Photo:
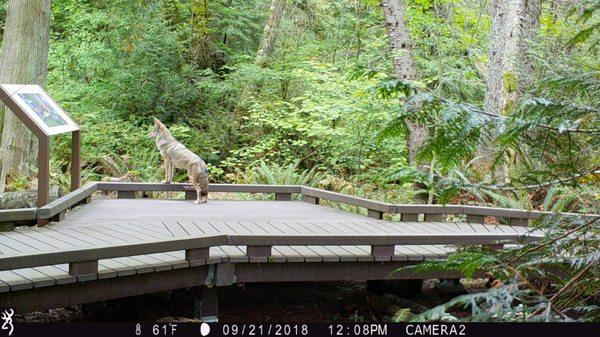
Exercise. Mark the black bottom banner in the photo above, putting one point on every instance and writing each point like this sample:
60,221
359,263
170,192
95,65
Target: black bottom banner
299,329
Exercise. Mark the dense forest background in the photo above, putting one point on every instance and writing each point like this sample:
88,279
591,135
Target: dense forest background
313,92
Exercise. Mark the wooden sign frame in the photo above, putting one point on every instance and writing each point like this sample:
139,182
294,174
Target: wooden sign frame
38,111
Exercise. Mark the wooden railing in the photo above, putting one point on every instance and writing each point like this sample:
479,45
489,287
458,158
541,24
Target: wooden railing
84,261
55,210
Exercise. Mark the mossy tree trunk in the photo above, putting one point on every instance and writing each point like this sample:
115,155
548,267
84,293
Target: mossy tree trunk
24,60
404,64
265,49
502,83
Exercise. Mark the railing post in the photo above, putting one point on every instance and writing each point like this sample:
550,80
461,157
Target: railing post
197,257
472,218
83,268
190,195
87,200
371,213
125,194
7,226
283,196
519,222
75,159
258,253
382,253
433,217
311,200
409,217
58,217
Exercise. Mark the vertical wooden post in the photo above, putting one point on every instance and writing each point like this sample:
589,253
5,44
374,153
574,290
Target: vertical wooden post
472,218
433,217
197,256
206,304
371,213
43,175
43,171
126,195
283,196
519,222
409,217
258,253
311,200
383,253
83,268
75,160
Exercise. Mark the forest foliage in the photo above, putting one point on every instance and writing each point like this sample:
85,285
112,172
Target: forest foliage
327,110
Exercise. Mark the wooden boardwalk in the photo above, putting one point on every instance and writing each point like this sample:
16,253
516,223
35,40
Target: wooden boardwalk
112,248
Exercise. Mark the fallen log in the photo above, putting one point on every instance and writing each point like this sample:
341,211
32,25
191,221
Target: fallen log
24,199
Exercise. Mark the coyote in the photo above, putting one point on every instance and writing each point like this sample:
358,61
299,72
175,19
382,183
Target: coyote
177,155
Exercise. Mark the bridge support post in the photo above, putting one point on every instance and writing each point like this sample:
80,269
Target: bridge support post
371,213
206,304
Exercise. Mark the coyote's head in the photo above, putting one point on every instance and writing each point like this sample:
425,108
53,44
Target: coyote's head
158,127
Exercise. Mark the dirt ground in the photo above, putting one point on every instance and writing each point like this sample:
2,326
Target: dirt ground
276,302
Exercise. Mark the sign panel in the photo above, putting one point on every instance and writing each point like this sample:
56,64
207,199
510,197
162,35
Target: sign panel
40,108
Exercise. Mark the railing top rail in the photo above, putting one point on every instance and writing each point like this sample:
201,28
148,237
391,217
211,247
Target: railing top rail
28,260
74,197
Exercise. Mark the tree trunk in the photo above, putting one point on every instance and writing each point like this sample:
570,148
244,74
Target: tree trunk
24,199
203,51
531,26
265,49
502,85
267,43
24,60
404,64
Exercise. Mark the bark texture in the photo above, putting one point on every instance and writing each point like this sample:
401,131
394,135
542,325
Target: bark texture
531,26
402,48
502,84
265,49
24,60
267,43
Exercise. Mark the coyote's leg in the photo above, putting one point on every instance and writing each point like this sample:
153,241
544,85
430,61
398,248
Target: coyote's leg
168,171
193,175
198,193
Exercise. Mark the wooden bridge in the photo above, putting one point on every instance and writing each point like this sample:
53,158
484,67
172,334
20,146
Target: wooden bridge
111,248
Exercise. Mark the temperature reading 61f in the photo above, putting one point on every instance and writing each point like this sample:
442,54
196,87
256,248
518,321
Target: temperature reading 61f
164,329
158,329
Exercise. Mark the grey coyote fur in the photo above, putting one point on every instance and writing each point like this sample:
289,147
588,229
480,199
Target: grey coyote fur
177,155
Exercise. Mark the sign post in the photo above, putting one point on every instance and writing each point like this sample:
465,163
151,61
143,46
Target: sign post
32,105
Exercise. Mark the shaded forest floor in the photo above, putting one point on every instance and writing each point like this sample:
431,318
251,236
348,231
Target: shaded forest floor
277,302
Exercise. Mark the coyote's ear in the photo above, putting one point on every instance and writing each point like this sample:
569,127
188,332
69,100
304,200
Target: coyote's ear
158,123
